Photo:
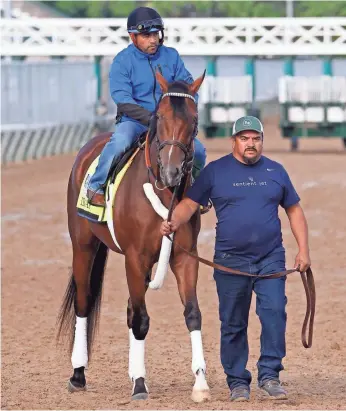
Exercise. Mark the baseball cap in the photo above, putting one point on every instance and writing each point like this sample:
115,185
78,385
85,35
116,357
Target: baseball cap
247,123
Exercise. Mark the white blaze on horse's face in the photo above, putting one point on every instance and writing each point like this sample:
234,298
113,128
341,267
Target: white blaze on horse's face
177,133
171,149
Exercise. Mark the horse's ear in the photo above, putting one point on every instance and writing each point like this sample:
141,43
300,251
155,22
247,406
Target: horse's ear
194,87
162,81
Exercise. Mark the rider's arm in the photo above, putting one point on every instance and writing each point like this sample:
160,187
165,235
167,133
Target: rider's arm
121,92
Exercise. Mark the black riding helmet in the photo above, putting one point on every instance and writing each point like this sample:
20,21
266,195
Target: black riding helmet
145,20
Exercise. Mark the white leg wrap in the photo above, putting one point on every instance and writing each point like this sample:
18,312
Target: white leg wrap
162,266
197,352
200,391
201,383
79,356
136,357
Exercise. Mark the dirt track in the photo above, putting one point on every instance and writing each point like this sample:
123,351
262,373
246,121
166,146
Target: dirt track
36,256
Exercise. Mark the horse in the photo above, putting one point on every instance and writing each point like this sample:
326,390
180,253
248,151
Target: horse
169,151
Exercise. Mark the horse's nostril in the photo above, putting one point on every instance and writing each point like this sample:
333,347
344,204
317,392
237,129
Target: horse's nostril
173,171
172,175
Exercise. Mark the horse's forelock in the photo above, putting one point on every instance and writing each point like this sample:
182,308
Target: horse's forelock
178,103
178,87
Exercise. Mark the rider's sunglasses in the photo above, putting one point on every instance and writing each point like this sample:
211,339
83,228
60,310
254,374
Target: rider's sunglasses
145,26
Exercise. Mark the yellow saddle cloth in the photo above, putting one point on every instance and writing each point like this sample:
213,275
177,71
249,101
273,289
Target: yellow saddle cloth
98,213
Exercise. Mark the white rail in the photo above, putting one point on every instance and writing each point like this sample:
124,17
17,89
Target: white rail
199,36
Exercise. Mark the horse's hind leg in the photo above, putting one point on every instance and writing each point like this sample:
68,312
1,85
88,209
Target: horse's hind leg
138,278
84,294
82,262
185,270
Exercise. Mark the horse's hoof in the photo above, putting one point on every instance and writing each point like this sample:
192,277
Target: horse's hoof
140,396
75,388
140,390
77,382
200,396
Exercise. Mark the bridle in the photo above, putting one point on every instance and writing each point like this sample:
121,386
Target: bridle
187,149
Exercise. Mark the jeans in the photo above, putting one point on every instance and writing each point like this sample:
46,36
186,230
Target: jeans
235,294
125,134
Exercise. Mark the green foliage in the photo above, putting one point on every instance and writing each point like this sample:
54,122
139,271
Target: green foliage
250,9
202,8
320,9
121,8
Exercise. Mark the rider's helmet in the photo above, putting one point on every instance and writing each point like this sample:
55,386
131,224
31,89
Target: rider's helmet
145,20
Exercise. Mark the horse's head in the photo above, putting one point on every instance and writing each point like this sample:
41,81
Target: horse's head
176,126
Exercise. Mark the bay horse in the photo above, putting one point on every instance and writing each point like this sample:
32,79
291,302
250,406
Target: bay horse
170,149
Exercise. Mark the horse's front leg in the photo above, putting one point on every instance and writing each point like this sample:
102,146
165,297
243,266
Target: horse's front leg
138,278
185,270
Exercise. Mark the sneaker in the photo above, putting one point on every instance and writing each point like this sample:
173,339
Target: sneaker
274,389
97,199
240,393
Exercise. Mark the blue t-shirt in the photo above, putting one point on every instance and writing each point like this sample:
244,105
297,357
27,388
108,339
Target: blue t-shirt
246,200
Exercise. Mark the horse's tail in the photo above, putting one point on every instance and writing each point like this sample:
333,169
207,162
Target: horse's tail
67,318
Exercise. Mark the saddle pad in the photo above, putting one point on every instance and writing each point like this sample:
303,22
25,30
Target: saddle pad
93,213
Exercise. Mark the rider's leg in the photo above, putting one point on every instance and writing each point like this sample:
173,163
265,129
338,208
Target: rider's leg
125,134
200,158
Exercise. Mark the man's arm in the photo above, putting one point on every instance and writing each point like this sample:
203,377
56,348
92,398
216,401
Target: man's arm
121,92
299,227
181,215
198,194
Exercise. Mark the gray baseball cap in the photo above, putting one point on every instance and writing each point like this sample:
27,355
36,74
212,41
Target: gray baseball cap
247,123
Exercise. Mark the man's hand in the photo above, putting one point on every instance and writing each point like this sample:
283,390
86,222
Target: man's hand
303,261
168,227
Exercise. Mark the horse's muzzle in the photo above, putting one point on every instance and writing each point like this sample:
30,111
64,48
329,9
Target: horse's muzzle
171,175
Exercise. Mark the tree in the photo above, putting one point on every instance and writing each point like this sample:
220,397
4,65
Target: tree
320,9
202,8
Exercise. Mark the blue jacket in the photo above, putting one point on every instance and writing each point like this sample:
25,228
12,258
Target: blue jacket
132,77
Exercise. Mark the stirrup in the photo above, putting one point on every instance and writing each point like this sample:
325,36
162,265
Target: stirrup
95,198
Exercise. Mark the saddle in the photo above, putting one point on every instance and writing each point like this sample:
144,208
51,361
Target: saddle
116,173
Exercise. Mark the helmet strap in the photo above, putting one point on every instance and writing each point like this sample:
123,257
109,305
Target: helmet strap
161,36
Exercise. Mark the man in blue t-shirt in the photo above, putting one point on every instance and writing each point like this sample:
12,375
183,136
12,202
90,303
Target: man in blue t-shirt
246,189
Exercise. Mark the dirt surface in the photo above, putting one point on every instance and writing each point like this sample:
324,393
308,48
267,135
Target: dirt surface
36,256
